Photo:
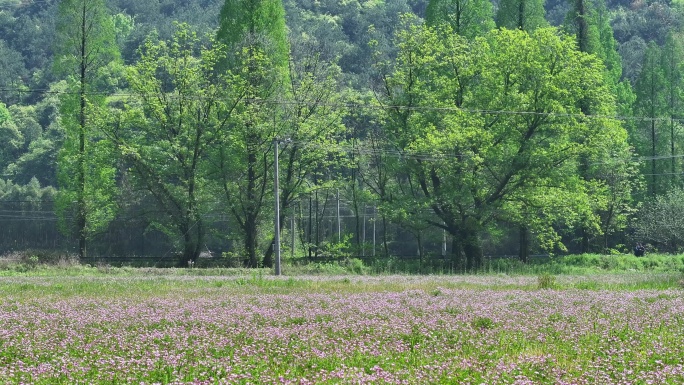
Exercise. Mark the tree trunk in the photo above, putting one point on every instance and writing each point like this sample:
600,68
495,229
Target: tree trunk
193,235
456,251
318,232
310,235
268,256
385,241
189,248
581,18
471,244
654,189
673,180
357,219
251,229
585,241
267,261
419,239
473,252
251,241
524,251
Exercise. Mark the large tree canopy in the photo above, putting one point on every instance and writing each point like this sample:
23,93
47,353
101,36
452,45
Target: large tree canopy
179,111
476,133
502,110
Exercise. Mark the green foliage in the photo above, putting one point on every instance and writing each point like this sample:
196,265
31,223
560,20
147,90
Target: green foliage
651,104
499,165
243,156
483,323
85,38
338,249
526,15
254,25
351,266
96,198
661,221
646,22
254,38
623,262
23,207
85,45
546,281
299,96
468,18
12,72
673,76
10,136
180,110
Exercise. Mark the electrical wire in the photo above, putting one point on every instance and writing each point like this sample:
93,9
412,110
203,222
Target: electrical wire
280,102
424,156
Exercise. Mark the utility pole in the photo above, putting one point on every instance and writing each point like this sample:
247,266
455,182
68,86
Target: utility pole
339,222
276,191
374,220
363,235
292,230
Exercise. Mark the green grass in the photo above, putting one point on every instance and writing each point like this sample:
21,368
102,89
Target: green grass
169,282
45,263
446,328
584,272
488,328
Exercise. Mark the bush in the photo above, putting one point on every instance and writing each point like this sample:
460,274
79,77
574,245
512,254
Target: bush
661,220
546,281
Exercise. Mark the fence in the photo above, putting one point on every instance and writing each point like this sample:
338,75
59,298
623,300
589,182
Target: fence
322,226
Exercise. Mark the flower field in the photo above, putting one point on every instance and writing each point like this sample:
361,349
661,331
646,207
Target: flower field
359,331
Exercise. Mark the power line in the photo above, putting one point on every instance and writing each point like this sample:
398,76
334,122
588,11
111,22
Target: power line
362,150
665,173
425,156
365,106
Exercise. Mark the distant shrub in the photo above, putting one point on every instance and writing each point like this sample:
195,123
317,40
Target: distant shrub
546,281
661,220
354,265
483,323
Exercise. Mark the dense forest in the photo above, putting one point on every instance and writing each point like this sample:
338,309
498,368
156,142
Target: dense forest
448,130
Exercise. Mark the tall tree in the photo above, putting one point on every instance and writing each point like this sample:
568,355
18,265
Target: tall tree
85,45
313,126
673,76
254,34
651,105
587,41
489,166
526,15
468,18
254,25
578,24
178,113
12,73
10,136
589,22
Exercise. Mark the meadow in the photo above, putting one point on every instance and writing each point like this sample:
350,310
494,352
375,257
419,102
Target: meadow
181,326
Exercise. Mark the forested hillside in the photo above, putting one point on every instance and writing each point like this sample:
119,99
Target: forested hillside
449,130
